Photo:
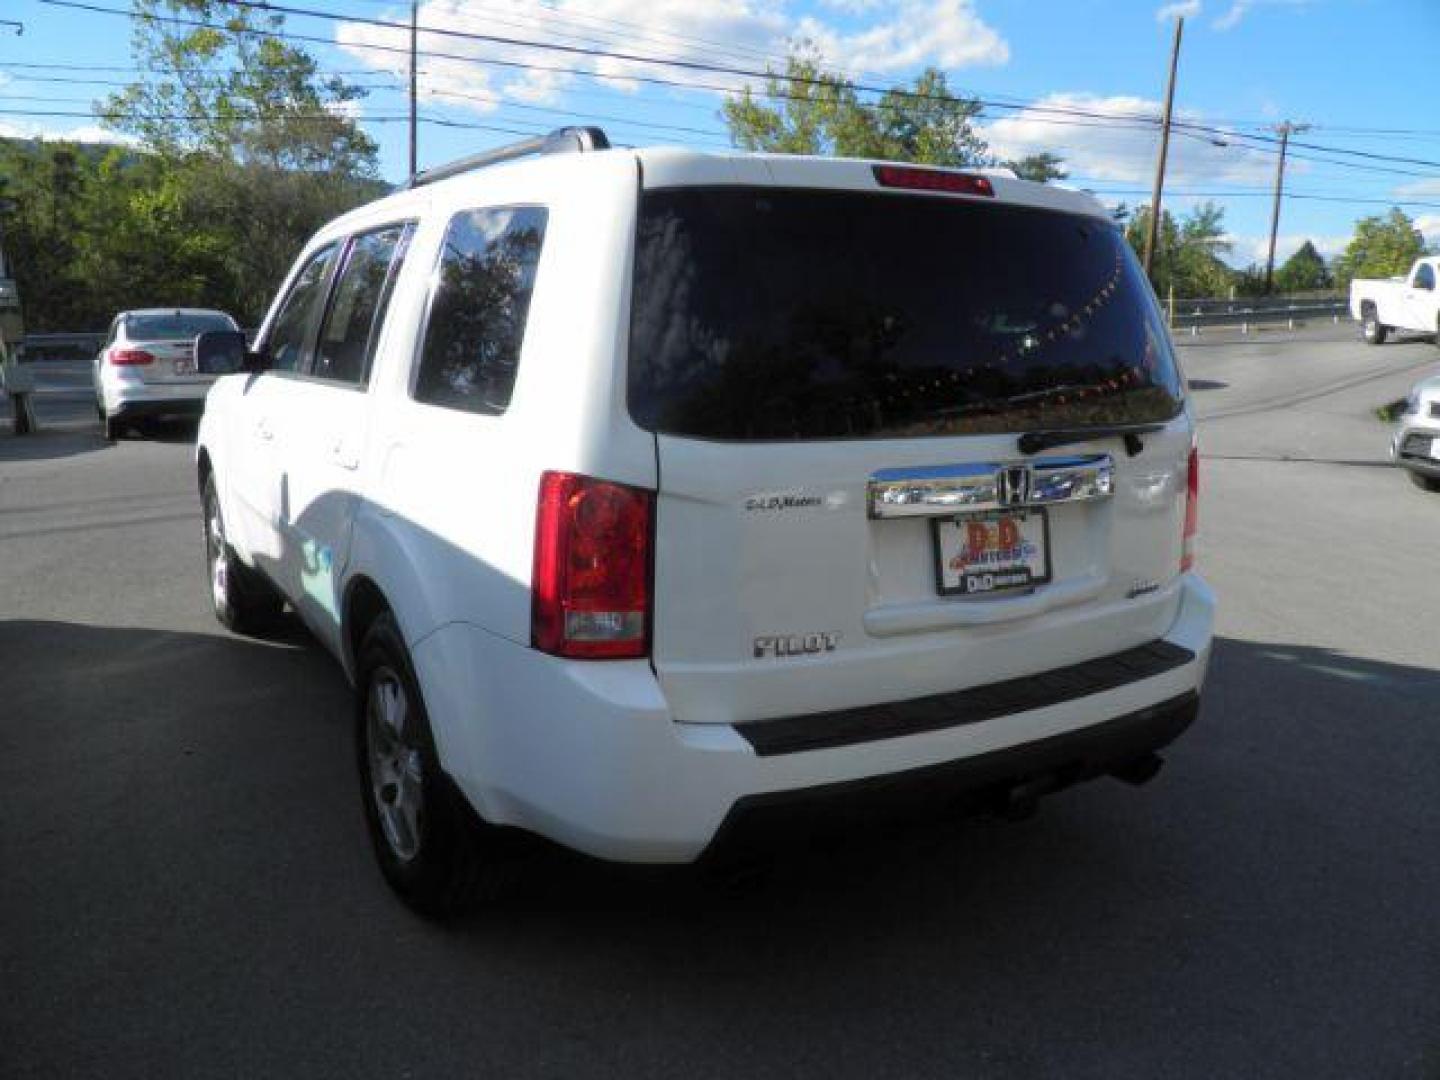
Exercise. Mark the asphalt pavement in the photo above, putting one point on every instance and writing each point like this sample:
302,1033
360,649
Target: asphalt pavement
187,889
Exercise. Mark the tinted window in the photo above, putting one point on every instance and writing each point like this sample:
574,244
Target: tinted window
1425,277
357,308
290,334
479,307
177,325
781,314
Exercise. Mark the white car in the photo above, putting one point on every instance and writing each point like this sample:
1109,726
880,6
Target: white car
146,368
1415,443
1408,303
650,497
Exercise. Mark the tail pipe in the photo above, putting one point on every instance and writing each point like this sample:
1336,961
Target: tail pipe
1140,770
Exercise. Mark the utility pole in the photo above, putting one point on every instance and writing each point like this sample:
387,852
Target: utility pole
1284,130
1154,229
414,75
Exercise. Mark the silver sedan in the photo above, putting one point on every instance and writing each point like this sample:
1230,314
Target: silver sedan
1415,446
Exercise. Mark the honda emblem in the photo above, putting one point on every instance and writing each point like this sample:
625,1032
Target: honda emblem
1012,485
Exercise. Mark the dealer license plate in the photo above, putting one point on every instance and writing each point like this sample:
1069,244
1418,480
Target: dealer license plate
999,551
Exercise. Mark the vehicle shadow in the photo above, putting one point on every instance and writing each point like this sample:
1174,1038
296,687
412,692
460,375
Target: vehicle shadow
197,824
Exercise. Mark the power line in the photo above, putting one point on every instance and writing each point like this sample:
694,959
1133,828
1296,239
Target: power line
1266,194
1030,109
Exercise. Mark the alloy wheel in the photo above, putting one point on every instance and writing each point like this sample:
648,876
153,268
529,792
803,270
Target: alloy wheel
396,769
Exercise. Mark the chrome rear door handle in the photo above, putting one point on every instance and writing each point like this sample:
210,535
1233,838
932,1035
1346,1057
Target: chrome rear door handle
940,490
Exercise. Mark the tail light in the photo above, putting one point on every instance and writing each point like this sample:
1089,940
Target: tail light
1192,513
590,592
130,358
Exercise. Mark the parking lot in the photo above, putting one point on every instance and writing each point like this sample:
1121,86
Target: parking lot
188,889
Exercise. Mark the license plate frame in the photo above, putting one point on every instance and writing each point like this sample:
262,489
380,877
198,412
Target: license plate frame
1020,574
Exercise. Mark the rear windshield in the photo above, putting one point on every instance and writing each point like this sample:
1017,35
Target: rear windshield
167,325
776,314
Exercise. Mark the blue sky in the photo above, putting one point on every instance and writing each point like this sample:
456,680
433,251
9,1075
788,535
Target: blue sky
1081,74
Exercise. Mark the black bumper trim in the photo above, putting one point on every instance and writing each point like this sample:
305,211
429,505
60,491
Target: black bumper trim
144,410
817,731
966,784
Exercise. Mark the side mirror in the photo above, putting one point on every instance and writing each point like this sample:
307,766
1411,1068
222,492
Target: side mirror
224,352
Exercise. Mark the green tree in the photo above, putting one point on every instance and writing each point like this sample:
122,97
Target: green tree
1187,252
240,92
816,112
253,150
1042,168
1383,246
1305,271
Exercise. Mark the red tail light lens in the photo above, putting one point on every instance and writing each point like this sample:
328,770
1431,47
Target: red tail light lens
130,358
901,176
1192,513
590,592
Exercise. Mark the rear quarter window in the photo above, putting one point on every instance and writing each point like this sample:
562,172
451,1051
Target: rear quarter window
776,314
479,306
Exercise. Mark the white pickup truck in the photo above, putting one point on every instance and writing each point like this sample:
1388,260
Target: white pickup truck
1408,303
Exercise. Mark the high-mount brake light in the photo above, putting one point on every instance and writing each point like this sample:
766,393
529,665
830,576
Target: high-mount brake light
913,179
130,358
1192,512
590,591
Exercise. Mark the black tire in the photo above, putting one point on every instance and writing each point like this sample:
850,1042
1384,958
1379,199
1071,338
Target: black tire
435,852
243,600
113,427
1372,330
1423,482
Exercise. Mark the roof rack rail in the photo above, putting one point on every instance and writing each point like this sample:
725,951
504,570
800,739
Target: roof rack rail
565,140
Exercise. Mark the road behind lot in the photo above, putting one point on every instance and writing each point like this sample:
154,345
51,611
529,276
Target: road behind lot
187,890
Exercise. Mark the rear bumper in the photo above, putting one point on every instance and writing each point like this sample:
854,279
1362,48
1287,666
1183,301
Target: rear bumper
125,396
589,755
1411,447
1043,767
150,409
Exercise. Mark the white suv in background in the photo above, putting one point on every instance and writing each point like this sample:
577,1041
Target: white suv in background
146,368
651,496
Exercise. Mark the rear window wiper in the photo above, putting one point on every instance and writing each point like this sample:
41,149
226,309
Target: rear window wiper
1032,442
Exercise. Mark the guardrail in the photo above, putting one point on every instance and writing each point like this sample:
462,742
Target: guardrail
41,348
1196,315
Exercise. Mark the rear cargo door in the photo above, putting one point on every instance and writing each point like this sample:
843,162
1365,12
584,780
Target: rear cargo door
847,514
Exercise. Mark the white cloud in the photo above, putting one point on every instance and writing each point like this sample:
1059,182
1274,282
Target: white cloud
83,133
1418,189
1183,9
1239,8
1110,139
947,33
351,110
1231,18
1429,225
896,36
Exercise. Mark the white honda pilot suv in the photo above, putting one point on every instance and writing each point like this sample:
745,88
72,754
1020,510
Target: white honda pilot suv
654,498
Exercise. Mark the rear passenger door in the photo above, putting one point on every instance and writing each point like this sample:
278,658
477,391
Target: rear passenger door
326,421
